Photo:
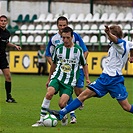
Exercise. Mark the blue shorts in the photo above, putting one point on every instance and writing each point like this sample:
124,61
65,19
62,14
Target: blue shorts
80,82
112,85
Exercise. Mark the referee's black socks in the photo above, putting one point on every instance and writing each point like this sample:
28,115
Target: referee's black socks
8,89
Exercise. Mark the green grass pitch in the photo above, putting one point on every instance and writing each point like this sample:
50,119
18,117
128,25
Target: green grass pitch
98,116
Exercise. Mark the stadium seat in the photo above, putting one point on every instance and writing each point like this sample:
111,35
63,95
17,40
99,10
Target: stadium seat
22,28
103,40
80,17
37,30
95,17
77,28
23,39
87,18
15,39
45,39
86,39
85,29
38,39
101,28
30,40
94,40
103,18
111,18
19,19
34,17
26,18
119,18
55,18
49,18
29,30
45,29
72,18
129,17
53,29
41,18
93,29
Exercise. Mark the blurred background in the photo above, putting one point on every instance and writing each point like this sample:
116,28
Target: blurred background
33,22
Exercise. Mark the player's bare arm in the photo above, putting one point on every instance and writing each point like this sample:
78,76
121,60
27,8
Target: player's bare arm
15,46
49,59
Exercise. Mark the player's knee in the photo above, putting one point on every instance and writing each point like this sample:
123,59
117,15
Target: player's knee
49,95
62,104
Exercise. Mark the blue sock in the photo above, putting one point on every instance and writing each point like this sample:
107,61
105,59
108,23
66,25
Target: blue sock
70,100
72,106
131,110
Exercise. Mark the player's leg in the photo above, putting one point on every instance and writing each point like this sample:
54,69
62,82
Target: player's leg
79,86
39,68
62,103
7,76
72,113
76,103
126,106
46,102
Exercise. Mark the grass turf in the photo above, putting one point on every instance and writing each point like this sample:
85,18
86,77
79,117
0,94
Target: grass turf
98,116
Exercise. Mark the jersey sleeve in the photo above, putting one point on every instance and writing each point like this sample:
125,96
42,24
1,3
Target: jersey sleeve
82,58
79,41
49,48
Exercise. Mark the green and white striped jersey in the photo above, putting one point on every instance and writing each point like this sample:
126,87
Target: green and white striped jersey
68,61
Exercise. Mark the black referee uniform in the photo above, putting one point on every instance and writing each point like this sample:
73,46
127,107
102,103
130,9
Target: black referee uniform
4,40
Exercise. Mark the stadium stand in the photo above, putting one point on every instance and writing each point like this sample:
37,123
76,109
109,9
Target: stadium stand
90,27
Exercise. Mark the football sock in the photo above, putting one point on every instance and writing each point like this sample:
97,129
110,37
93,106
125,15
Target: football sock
72,106
8,89
45,104
131,110
72,112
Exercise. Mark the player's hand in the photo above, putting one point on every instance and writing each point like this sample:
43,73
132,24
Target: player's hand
88,81
107,30
47,83
18,47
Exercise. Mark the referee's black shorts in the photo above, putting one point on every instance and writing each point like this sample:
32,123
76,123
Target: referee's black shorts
3,62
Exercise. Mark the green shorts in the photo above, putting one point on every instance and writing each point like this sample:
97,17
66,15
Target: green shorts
61,87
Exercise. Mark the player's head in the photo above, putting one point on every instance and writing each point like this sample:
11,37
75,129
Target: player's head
67,35
116,30
62,22
3,21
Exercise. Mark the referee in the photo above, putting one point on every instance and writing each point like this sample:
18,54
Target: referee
4,66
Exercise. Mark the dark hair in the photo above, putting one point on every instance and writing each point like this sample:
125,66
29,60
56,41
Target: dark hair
3,16
62,18
116,30
67,29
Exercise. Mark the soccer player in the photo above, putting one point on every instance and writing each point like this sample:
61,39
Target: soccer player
4,66
111,80
56,40
64,72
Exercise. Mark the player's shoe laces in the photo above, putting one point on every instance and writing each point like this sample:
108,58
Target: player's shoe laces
11,100
38,124
73,120
64,121
81,107
56,113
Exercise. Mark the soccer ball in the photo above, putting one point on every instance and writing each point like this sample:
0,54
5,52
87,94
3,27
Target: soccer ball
50,120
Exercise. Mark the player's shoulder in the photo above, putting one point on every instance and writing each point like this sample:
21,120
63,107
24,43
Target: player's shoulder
59,46
77,46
